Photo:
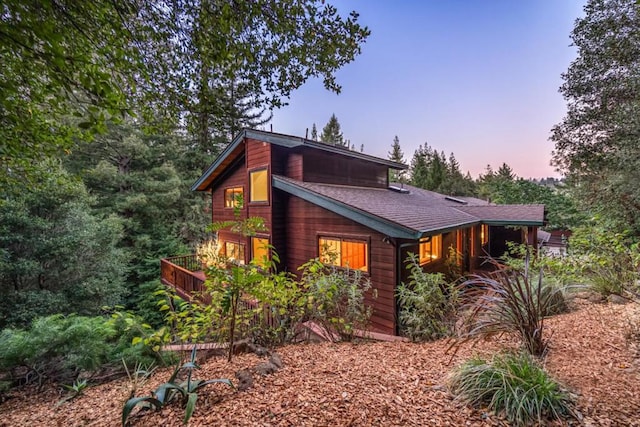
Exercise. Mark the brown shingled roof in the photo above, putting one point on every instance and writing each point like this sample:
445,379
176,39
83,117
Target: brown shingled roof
422,211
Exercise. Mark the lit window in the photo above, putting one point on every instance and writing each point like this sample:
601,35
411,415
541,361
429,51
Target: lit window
430,249
233,197
234,251
351,254
260,250
259,188
484,234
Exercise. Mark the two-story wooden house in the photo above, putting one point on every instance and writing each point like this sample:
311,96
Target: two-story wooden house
316,197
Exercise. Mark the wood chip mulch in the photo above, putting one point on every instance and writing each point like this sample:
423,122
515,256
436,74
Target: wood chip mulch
372,384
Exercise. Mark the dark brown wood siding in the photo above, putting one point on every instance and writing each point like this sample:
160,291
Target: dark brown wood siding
331,168
306,221
259,156
237,177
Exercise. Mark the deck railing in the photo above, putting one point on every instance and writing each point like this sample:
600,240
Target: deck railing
184,273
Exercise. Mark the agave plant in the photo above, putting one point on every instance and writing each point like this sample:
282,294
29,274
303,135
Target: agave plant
507,300
186,392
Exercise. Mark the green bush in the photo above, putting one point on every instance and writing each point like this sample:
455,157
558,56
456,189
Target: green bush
606,259
336,299
59,347
424,305
513,385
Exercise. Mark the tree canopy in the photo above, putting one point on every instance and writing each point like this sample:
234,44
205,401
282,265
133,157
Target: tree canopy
596,144
70,67
332,134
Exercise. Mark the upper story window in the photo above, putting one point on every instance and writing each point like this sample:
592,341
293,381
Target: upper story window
430,249
233,197
259,185
353,254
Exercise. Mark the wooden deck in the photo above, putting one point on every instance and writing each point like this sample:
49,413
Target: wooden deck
184,274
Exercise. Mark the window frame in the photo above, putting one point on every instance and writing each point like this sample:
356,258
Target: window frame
430,240
234,192
484,234
250,173
365,240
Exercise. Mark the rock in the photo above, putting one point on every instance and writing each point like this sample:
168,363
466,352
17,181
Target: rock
276,360
266,368
245,379
617,299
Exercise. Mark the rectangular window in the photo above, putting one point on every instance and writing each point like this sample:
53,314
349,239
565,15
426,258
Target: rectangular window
234,251
353,254
260,250
259,183
430,249
484,234
233,197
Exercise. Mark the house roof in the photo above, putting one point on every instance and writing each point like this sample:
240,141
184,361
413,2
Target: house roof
408,214
236,148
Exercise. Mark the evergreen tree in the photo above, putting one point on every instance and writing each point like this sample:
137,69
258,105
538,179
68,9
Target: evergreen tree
314,132
331,133
596,144
56,254
396,155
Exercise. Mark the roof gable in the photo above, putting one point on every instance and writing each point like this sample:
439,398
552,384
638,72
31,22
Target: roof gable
236,147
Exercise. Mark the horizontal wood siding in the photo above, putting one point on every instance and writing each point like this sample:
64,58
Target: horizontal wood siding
234,178
305,221
331,168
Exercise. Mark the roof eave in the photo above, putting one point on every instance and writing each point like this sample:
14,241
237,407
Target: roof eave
202,183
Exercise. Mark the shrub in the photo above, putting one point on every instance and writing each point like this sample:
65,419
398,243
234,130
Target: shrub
512,384
59,347
424,306
336,299
507,300
186,391
606,259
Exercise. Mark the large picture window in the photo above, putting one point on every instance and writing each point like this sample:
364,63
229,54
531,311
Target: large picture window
234,251
258,180
348,253
233,197
430,249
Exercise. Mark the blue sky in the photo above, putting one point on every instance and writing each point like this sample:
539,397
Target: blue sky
476,78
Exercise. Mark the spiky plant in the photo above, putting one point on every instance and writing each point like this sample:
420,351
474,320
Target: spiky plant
513,385
507,300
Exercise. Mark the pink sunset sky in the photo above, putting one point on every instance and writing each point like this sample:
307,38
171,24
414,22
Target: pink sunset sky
476,78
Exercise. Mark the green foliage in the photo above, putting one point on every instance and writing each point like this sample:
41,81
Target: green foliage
74,390
596,144
606,259
503,187
331,133
57,347
507,300
433,171
186,391
336,299
513,385
426,303
57,256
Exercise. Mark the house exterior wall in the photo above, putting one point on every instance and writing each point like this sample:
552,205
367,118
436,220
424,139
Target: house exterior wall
331,168
306,222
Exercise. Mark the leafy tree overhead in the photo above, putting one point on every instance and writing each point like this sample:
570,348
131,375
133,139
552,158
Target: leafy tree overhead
166,60
596,144
331,133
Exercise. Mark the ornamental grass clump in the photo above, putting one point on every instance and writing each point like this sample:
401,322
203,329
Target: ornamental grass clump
507,300
513,385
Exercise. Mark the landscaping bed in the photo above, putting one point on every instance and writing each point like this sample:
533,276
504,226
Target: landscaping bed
371,383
